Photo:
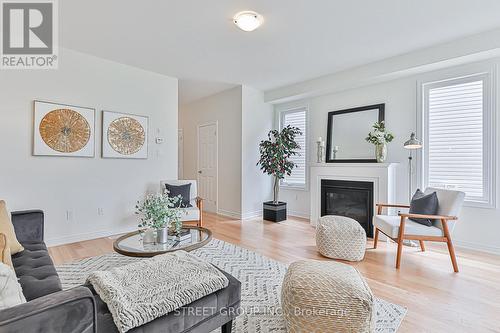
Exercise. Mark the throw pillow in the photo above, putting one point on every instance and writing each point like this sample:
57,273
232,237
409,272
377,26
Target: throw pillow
11,293
182,190
426,204
7,229
5,251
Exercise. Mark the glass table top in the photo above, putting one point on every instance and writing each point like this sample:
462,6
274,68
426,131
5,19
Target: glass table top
132,244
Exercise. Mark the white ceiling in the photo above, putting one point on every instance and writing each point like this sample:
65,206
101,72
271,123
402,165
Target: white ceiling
196,41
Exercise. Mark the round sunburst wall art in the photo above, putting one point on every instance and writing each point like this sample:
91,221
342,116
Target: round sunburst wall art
65,130
126,135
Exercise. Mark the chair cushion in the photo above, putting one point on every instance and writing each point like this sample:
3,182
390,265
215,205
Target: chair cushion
389,225
36,271
180,190
7,229
425,204
450,202
190,213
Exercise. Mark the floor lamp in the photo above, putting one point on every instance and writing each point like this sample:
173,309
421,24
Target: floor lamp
412,144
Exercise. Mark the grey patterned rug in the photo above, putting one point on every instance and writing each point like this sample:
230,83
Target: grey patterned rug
261,279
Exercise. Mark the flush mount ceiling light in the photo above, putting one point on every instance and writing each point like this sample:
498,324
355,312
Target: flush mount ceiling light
248,20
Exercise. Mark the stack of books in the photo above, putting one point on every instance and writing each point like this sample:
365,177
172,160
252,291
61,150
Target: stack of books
183,236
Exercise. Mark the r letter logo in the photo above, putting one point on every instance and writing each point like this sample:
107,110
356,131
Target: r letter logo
29,34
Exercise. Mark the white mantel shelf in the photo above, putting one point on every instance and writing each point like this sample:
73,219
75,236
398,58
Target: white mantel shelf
382,175
358,165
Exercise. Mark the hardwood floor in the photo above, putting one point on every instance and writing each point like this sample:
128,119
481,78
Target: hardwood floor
438,299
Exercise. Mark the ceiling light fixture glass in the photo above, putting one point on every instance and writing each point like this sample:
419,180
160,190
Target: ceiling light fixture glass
248,20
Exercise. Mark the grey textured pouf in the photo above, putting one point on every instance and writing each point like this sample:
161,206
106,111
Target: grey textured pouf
326,296
340,237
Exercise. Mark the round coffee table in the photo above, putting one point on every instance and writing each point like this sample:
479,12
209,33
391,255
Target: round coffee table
131,244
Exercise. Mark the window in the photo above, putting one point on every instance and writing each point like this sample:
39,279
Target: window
297,118
458,136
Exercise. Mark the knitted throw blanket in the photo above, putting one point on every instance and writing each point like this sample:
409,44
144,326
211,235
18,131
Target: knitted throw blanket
145,290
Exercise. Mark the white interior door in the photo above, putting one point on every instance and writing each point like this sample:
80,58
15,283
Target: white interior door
207,165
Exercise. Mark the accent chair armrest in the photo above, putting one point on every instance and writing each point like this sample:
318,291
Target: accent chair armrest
61,312
392,205
28,225
199,204
432,217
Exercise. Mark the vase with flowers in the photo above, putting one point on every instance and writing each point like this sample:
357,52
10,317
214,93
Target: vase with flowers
161,213
380,138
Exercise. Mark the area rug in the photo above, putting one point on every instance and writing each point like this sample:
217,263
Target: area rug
260,277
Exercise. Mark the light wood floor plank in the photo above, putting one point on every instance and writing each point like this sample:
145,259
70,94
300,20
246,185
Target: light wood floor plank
438,300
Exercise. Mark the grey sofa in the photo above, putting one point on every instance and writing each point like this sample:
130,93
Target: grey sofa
50,309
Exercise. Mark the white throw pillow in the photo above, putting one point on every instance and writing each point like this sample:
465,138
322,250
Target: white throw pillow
11,293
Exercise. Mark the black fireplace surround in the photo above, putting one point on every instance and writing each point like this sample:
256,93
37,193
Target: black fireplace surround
353,199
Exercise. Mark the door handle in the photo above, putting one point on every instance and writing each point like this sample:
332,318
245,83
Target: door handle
199,171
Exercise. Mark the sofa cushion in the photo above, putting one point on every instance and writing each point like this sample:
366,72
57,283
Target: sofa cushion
5,256
211,309
36,271
11,293
7,229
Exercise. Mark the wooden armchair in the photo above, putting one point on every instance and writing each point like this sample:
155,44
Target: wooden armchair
195,212
400,227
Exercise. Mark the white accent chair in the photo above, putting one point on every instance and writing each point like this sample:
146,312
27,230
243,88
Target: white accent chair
398,227
195,212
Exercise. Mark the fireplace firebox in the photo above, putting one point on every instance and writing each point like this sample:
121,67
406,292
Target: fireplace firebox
353,199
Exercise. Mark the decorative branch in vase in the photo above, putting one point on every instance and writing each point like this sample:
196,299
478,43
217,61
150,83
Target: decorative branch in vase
380,138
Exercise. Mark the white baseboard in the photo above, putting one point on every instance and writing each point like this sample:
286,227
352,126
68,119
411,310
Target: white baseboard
228,213
87,236
298,214
476,246
251,215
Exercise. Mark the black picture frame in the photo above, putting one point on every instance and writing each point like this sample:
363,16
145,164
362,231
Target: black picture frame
331,114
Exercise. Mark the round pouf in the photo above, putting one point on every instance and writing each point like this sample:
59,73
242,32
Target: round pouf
321,296
340,237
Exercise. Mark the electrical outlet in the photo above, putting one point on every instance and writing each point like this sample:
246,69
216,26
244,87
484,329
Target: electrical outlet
100,211
69,215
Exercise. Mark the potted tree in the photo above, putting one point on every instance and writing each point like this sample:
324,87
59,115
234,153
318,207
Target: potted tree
275,153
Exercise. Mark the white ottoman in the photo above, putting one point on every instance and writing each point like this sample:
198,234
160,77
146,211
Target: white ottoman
326,296
340,237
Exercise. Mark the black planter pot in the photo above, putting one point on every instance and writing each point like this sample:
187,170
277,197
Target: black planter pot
275,212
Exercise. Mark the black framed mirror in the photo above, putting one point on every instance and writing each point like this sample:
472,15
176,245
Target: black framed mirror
346,133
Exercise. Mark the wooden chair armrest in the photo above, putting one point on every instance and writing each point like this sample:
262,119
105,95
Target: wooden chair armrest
432,217
392,205
199,202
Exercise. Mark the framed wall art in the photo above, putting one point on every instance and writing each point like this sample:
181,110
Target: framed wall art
63,130
124,135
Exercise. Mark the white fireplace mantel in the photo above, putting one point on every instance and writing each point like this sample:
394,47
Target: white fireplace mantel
383,176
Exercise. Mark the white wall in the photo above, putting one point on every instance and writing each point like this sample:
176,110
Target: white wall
257,121
478,228
82,185
225,109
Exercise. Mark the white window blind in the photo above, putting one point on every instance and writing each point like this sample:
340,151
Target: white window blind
296,118
456,150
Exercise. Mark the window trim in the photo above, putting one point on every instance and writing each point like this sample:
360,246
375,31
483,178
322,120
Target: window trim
281,114
488,76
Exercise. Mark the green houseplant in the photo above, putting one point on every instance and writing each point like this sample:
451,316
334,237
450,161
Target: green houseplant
160,212
275,153
380,138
